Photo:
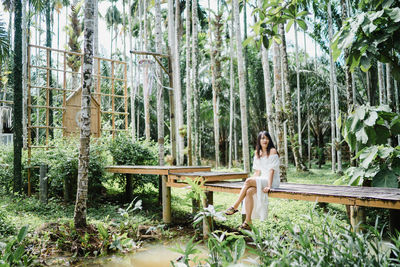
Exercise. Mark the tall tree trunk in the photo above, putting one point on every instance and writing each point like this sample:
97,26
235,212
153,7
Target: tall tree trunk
231,87
268,92
18,95
188,89
279,120
132,91
381,83
332,99
288,103
298,92
349,83
308,105
146,88
178,88
397,105
196,106
336,136
84,149
25,41
160,95
49,15
171,52
389,85
242,89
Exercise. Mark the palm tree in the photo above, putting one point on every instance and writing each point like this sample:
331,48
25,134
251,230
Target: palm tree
74,31
332,85
84,149
4,43
242,89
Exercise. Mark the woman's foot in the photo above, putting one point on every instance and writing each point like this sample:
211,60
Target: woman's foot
244,226
231,211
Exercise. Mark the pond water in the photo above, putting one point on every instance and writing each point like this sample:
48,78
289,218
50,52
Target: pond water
156,254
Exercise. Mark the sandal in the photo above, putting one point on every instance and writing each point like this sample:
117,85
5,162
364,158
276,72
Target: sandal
244,226
231,211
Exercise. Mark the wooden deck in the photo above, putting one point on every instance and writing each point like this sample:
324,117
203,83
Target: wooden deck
378,197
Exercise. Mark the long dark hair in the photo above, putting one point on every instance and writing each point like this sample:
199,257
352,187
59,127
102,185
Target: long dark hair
258,145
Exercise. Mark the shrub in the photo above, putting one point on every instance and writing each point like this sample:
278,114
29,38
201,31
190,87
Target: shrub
6,167
126,152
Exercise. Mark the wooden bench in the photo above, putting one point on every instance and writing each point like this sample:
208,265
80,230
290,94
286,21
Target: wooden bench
174,176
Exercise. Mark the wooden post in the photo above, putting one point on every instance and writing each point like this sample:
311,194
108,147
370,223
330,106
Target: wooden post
43,184
356,218
166,200
207,222
128,188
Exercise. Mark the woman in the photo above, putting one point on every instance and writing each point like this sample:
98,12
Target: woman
255,189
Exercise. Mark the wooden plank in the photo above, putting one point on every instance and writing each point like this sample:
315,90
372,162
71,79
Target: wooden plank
377,200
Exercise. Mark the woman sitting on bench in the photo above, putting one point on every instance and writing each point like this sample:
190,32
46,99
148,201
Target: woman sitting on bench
255,189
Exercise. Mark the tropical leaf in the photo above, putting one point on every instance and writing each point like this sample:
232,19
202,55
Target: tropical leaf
385,178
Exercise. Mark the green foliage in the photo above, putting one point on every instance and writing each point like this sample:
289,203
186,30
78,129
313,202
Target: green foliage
6,227
126,152
334,245
4,42
369,128
13,253
370,35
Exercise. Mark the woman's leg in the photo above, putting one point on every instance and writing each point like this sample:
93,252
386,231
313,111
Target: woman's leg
249,205
250,182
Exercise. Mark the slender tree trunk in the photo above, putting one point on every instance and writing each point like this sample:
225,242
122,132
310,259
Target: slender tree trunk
308,105
25,35
49,15
178,88
231,87
160,95
171,51
196,106
146,89
188,88
349,83
132,94
268,92
368,87
298,91
332,99
381,83
279,120
84,149
242,89
389,85
124,28
397,105
288,106
18,95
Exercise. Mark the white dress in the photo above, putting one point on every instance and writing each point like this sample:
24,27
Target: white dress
263,164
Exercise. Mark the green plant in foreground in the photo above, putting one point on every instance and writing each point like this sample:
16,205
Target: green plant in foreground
370,128
13,253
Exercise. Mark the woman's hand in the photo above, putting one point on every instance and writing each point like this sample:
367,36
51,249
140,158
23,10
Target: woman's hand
266,189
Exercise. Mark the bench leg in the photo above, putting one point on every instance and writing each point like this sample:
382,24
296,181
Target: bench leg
356,217
128,188
207,222
166,200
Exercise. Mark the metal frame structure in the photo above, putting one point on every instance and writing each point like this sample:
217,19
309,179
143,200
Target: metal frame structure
39,99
